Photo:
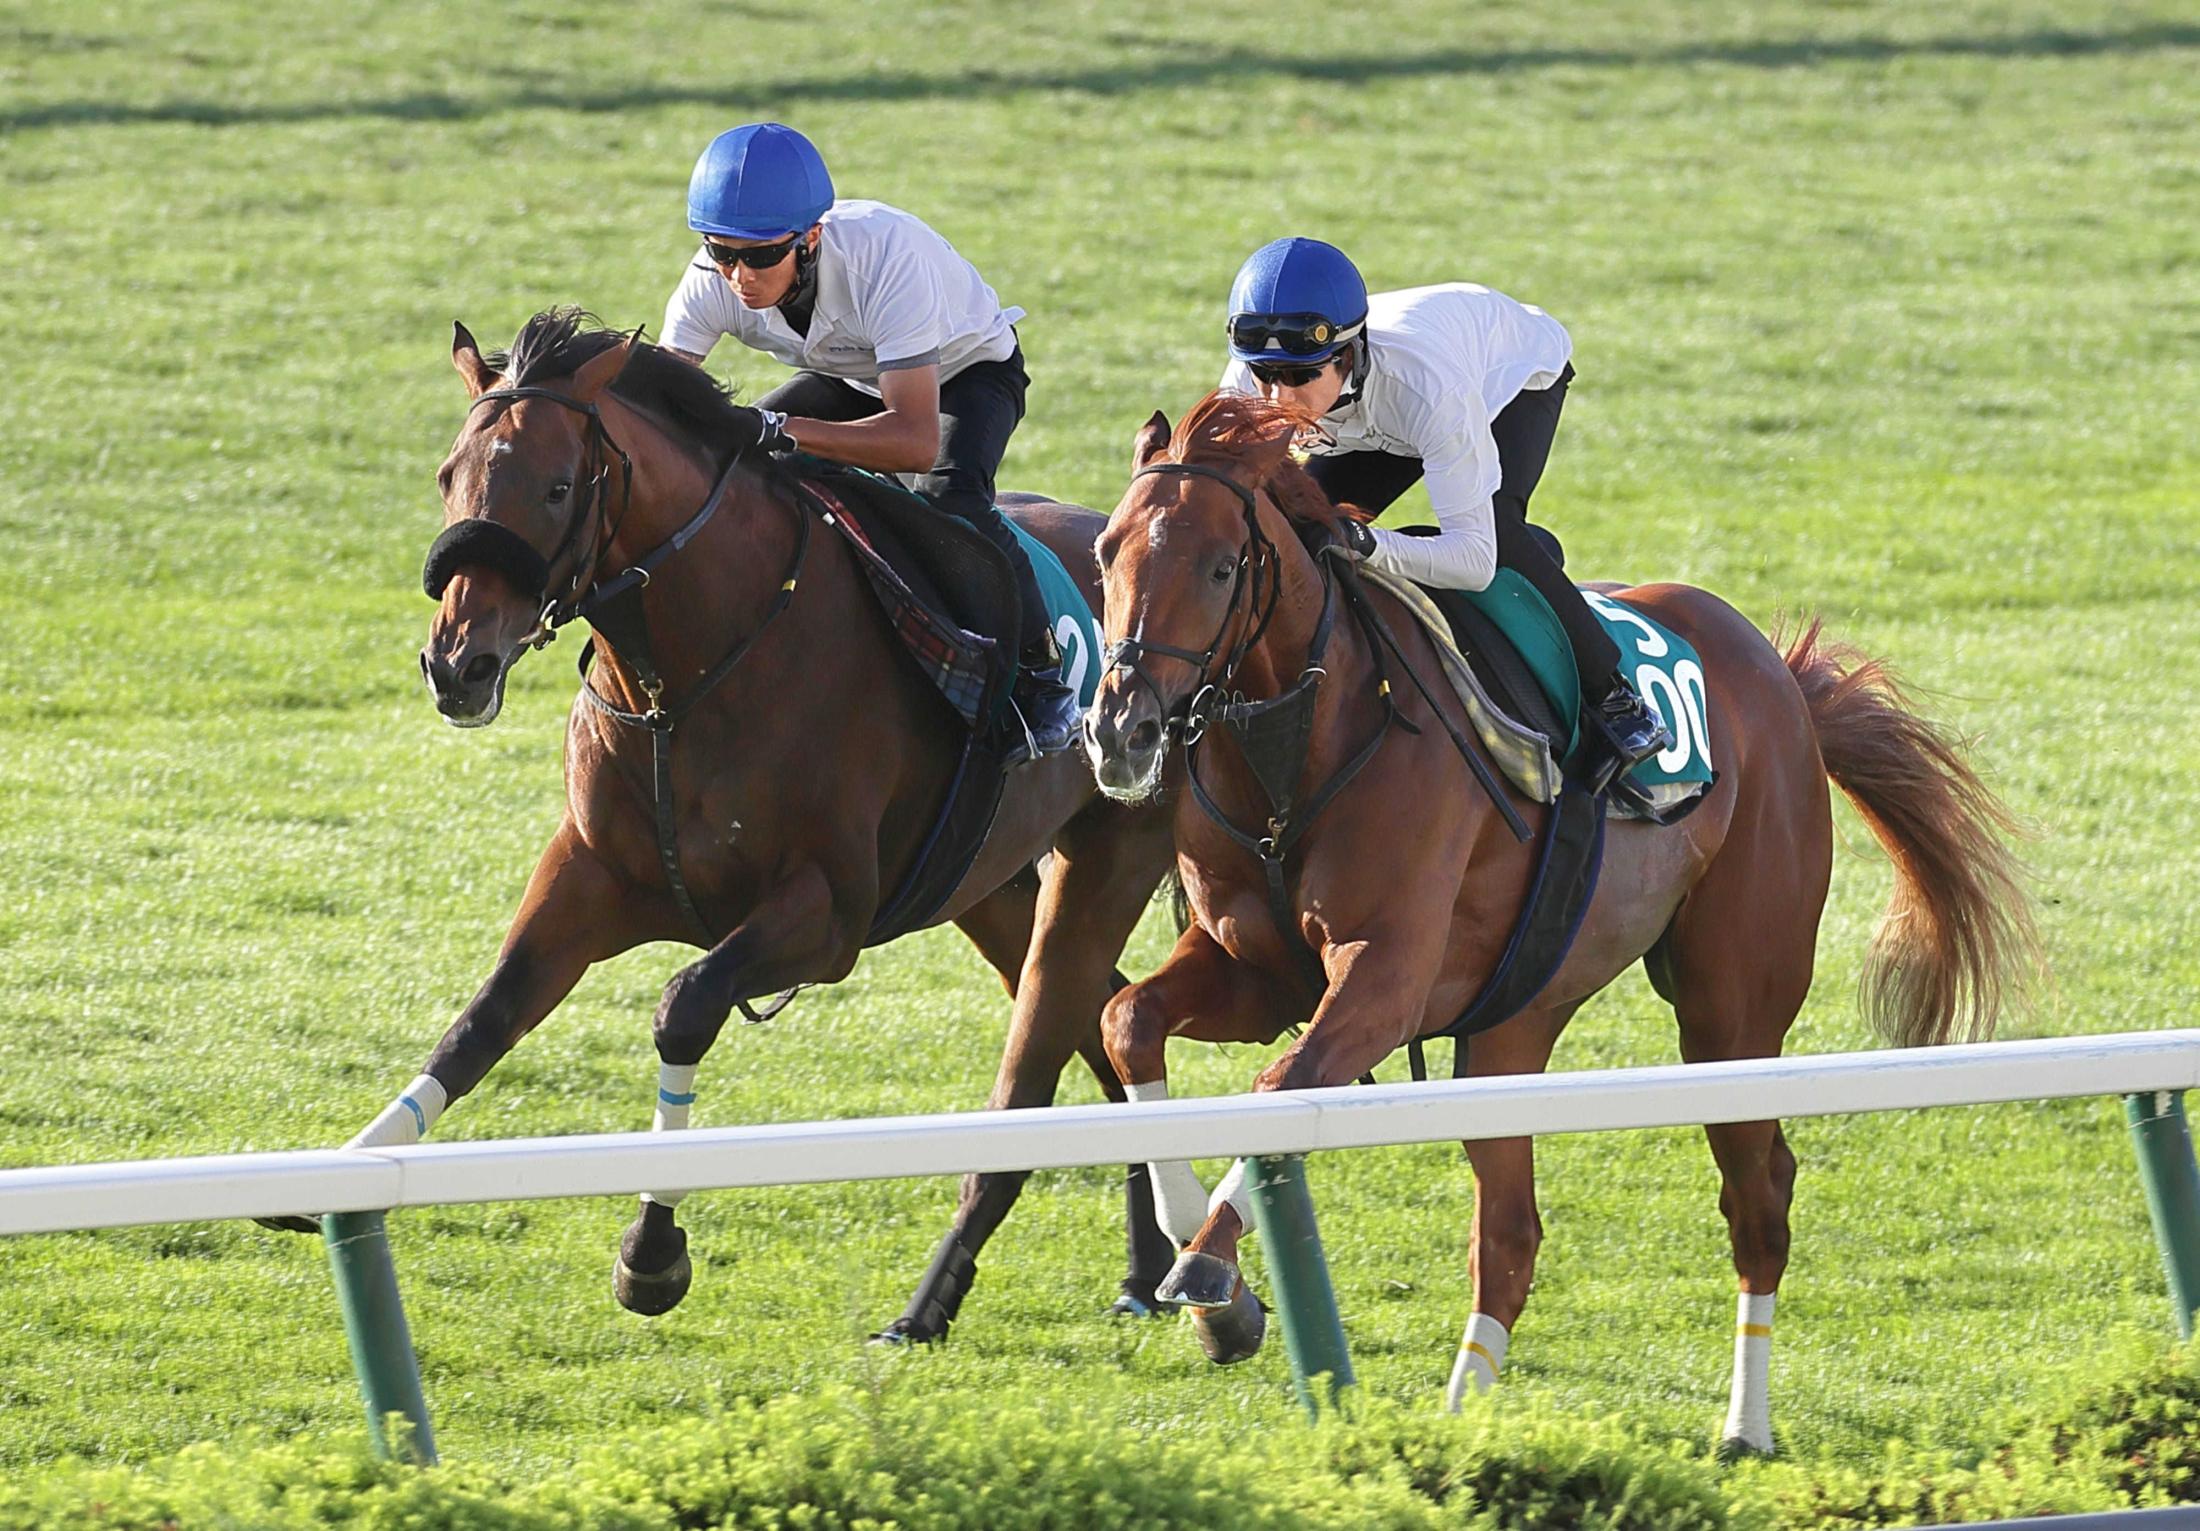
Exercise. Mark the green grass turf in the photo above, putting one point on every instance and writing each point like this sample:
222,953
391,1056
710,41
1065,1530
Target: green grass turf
1884,312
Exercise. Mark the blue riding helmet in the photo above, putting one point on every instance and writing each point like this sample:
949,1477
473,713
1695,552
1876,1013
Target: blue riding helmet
1295,300
758,181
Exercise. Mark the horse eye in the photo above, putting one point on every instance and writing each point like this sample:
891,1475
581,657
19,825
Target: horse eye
559,491
1223,571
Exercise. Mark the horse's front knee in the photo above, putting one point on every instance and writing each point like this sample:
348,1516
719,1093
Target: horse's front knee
691,1013
1135,1034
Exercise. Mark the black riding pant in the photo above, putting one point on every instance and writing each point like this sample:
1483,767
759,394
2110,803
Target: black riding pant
980,408
1523,429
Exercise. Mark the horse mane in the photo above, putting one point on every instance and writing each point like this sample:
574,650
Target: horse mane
1257,432
560,341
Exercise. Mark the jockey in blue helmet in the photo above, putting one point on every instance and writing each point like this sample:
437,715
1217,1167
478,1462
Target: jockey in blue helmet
1454,383
906,361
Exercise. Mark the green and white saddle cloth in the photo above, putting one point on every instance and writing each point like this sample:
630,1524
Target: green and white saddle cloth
1663,666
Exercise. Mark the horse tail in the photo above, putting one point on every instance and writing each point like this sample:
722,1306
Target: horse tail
1957,934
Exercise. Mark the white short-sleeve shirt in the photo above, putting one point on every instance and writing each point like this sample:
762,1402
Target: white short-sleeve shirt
1442,362
891,294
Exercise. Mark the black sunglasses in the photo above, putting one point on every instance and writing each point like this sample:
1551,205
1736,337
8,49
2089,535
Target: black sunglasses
755,257
1287,374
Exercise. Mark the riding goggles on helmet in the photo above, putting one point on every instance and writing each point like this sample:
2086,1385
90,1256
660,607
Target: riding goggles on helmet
1293,337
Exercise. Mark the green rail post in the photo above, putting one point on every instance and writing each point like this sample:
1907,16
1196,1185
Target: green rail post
1313,1334
381,1341
2172,1180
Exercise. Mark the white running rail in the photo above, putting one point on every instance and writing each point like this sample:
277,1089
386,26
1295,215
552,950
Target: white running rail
49,1200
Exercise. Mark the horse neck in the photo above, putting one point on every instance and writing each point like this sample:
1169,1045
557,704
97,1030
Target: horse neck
1275,663
718,588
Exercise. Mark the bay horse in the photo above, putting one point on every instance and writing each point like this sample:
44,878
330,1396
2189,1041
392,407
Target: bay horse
807,756
1405,887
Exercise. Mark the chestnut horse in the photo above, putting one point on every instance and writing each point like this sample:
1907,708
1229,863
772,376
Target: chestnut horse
807,757
1405,887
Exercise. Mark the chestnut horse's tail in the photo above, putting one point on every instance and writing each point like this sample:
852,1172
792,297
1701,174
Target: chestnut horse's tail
1958,933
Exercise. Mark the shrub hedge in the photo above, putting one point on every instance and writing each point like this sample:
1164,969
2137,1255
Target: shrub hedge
877,1461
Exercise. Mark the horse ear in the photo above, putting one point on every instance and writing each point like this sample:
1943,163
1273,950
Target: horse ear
603,370
1151,441
466,357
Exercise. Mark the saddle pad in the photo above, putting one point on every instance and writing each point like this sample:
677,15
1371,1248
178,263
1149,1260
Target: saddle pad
1076,629
1524,751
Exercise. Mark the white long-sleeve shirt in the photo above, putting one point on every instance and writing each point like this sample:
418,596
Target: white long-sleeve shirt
891,293
1442,361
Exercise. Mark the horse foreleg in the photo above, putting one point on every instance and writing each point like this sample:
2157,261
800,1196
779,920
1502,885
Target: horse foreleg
1203,993
782,942
1094,888
567,921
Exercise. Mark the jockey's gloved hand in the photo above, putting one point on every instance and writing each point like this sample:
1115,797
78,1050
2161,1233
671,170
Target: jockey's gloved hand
1356,537
772,436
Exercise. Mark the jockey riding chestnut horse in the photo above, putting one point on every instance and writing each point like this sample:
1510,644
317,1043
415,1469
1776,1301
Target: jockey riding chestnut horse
1398,895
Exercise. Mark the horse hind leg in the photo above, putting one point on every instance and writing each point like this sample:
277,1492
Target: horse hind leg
1091,894
1736,965
1507,1230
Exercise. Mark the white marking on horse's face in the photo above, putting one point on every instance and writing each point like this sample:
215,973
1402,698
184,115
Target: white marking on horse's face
1157,532
501,447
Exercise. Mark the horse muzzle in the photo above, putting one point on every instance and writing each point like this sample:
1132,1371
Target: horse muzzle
468,689
1124,741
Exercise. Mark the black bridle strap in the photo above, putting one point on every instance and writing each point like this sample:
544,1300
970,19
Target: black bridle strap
659,720
599,451
1258,555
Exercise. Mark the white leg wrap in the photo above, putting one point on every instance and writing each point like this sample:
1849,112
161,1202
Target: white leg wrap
675,1094
1233,1189
405,1119
1749,1416
1481,1355
1179,1200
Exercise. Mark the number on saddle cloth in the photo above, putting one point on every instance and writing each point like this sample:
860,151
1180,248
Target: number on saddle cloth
1660,664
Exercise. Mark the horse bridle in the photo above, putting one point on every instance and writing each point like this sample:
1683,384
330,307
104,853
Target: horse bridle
1256,560
479,540
613,608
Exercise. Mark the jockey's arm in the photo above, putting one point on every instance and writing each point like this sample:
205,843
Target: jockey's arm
903,437
1463,553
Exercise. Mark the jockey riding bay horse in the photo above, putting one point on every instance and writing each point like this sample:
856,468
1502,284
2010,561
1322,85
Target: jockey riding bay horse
807,757
1401,890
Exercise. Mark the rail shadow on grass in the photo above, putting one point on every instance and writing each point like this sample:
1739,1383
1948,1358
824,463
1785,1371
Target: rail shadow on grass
1164,73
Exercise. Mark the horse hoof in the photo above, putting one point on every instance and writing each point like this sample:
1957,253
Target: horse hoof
650,1293
1734,1449
289,1224
1145,1304
902,1333
1199,1281
1233,1333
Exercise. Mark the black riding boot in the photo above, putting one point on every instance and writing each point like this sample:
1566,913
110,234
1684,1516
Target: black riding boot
1631,728
1050,711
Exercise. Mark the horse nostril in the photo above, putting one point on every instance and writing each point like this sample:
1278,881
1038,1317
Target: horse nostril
479,671
1144,737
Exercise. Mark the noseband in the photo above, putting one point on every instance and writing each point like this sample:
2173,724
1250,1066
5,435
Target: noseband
478,540
1257,562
